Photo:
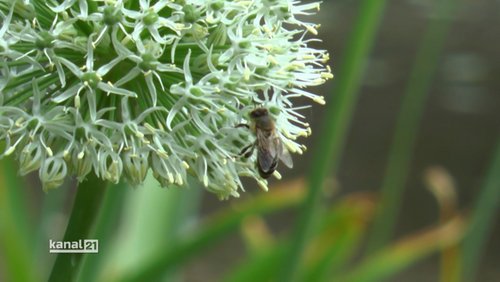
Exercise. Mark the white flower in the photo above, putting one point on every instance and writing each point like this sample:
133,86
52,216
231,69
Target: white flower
158,85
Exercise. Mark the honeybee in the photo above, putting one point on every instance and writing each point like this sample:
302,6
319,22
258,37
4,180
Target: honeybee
270,149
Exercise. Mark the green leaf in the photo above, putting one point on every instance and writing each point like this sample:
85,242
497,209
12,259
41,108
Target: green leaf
408,121
170,256
16,244
260,267
154,219
484,216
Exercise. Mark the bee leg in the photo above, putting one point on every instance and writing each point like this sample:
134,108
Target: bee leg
247,151
243,125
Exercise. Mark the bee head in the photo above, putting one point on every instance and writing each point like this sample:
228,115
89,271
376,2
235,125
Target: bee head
259,112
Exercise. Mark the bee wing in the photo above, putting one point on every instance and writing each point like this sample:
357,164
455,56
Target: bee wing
267,155
284,155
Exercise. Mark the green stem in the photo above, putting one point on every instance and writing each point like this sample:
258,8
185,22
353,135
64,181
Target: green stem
105,231
331,143
407,124
483,219
86,206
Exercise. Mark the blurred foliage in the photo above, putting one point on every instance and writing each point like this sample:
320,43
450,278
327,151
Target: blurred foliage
149,234
407,123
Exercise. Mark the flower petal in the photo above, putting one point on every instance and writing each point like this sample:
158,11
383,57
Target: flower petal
112,89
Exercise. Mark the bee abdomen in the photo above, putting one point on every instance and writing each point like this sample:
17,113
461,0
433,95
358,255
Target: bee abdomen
267,173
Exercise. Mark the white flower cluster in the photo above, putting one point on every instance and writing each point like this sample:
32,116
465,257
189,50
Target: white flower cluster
119,87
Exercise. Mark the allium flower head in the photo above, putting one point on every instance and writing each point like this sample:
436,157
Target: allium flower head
118,87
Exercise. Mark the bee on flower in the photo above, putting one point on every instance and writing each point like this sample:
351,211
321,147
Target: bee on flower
120,88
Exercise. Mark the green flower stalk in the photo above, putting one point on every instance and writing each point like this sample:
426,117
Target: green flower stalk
117,88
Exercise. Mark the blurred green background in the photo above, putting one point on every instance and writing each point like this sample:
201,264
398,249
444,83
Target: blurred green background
401,181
